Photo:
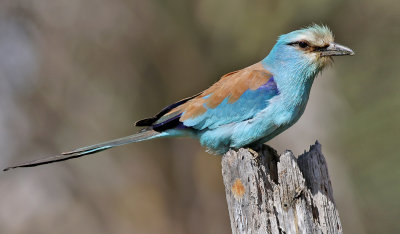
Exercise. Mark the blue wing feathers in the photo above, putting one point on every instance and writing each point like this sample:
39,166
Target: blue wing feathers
249,104
245,107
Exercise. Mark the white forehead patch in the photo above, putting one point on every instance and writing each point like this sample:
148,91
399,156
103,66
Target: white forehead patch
316,35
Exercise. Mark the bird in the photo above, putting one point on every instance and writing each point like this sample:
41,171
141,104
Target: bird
245,108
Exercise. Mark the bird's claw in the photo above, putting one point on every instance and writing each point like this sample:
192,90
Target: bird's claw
253,152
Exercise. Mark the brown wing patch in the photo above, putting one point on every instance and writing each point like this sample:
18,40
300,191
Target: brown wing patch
231,85
194,109
230,73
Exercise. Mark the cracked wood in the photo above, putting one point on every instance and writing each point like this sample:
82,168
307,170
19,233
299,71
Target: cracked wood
267,193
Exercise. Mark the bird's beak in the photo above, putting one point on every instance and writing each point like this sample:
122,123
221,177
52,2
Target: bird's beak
336,50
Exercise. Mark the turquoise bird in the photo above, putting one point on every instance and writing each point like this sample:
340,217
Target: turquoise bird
245,107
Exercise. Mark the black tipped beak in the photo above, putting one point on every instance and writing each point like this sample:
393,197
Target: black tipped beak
336,50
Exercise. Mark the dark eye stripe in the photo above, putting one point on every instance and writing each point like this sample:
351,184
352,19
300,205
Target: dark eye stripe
301,44
293,43
305,44
320,48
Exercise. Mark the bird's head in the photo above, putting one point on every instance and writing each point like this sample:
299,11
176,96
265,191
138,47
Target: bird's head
309,48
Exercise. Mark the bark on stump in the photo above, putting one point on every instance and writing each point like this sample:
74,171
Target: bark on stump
267,193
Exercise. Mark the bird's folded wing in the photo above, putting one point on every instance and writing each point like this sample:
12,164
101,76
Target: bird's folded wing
236,97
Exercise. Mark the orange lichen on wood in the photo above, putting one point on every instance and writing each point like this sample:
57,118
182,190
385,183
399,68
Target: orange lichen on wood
238,189
231,86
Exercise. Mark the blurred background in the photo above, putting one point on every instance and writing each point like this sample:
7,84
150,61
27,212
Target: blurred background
79,72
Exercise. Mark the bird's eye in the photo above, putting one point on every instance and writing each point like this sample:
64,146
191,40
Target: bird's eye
303,44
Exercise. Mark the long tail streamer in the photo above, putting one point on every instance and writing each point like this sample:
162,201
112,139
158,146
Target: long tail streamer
141,136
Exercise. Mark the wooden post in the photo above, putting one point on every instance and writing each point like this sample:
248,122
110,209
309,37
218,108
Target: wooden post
267,193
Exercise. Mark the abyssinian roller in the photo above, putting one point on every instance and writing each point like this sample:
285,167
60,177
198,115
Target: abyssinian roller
244,108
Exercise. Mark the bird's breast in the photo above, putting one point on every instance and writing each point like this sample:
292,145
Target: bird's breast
287,108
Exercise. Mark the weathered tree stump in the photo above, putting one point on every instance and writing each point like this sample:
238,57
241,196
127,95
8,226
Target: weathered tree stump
267,193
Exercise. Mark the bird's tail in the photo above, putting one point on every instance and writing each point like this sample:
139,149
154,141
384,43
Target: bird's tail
141,136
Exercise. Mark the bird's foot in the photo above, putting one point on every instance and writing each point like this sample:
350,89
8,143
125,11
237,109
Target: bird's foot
253,152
